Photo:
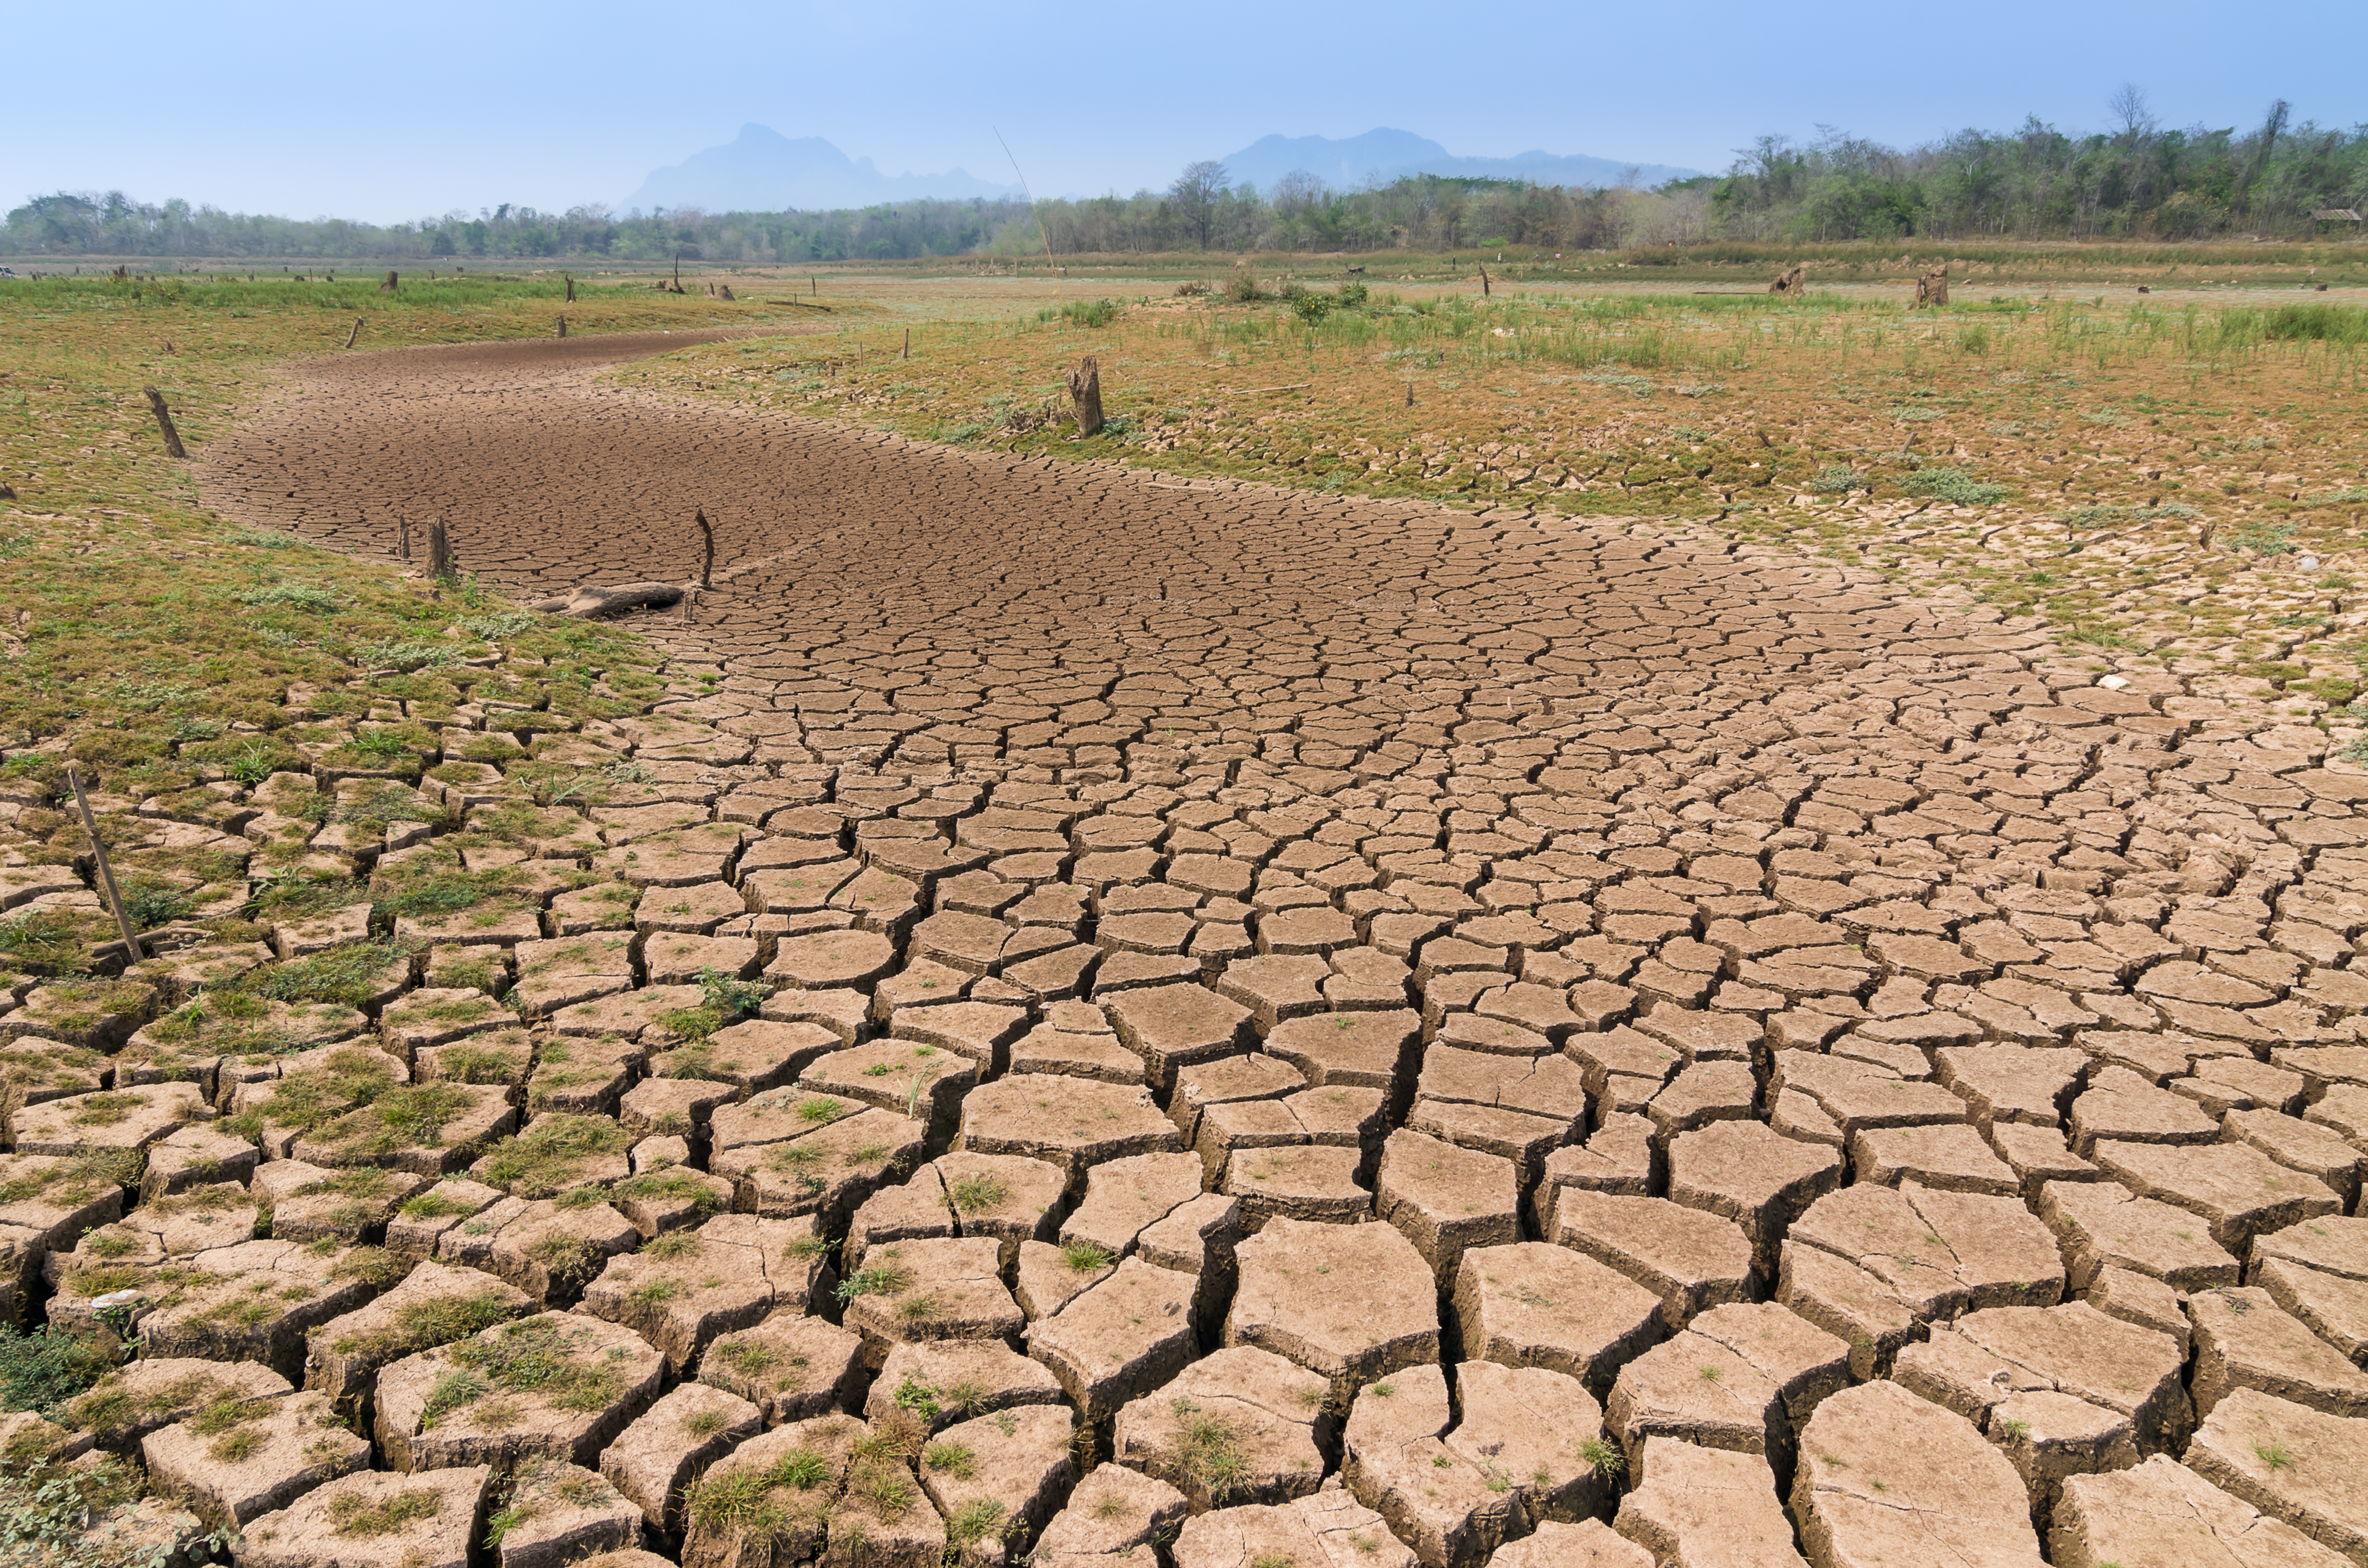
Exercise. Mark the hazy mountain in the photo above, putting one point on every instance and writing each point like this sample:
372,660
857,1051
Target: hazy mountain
1386,155
760,170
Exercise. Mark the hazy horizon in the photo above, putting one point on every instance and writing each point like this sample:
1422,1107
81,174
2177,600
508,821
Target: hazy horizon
553,107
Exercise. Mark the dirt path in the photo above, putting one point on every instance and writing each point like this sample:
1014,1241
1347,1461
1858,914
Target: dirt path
1718,858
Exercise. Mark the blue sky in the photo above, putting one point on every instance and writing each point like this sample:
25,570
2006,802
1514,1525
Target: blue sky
385,112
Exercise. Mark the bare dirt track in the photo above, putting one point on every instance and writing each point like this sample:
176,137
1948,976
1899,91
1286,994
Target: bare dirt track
1825,967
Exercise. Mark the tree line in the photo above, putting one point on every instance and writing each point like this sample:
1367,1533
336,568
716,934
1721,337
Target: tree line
2135,180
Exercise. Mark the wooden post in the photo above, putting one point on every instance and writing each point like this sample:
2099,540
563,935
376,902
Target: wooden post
706,550
106,876
571,290
563,326
173,447
1409,394
1483,280
355,334
403,536
439,549
909,343
1085,391
678,272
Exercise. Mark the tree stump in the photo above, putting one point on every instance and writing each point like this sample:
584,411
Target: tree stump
439,551
1932,288
1791,282
571,290
1085,391
726,292
388,287
403,537
173,447
563,326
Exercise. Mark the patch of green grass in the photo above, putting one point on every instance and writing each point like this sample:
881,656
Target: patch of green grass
876,1279
951,1458
550,1155
42,1371
1084,1256
974,1521
979,1192
1210,1450
1604,1458
350,1513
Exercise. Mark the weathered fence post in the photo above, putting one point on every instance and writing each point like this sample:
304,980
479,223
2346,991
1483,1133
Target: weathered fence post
563,326
439,549
173,447
355,334
707,550
1085,391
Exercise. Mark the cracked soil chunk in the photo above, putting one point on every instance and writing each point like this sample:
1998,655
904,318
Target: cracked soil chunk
1888,1476
1533,1304
1349,1303
373,1519
2163,1513
2292,1462
1707,1507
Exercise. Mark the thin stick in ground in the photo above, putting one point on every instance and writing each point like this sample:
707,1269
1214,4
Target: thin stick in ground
106,873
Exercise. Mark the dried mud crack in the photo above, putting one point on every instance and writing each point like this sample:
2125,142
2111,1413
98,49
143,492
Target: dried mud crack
1128,1021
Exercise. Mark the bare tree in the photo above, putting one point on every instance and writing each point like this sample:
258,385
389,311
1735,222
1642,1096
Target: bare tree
2271,129
1297,192
2130,109
1195,194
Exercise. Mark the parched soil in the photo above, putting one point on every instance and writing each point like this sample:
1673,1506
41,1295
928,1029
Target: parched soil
1304,922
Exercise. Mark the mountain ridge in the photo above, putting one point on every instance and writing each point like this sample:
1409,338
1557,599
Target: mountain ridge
1384,153
760,170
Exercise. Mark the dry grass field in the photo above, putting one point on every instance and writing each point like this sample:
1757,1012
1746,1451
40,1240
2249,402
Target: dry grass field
2179,473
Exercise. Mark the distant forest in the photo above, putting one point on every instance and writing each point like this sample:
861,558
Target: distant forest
2139,181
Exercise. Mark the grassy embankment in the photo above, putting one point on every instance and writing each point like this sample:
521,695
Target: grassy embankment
153,642
2167,473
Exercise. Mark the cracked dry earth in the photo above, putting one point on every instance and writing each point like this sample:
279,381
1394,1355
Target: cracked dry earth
1293,1033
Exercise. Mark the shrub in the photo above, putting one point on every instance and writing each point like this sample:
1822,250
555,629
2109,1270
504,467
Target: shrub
1954,485
1242,288
41,1372
1089,312
1839,478
1312,308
